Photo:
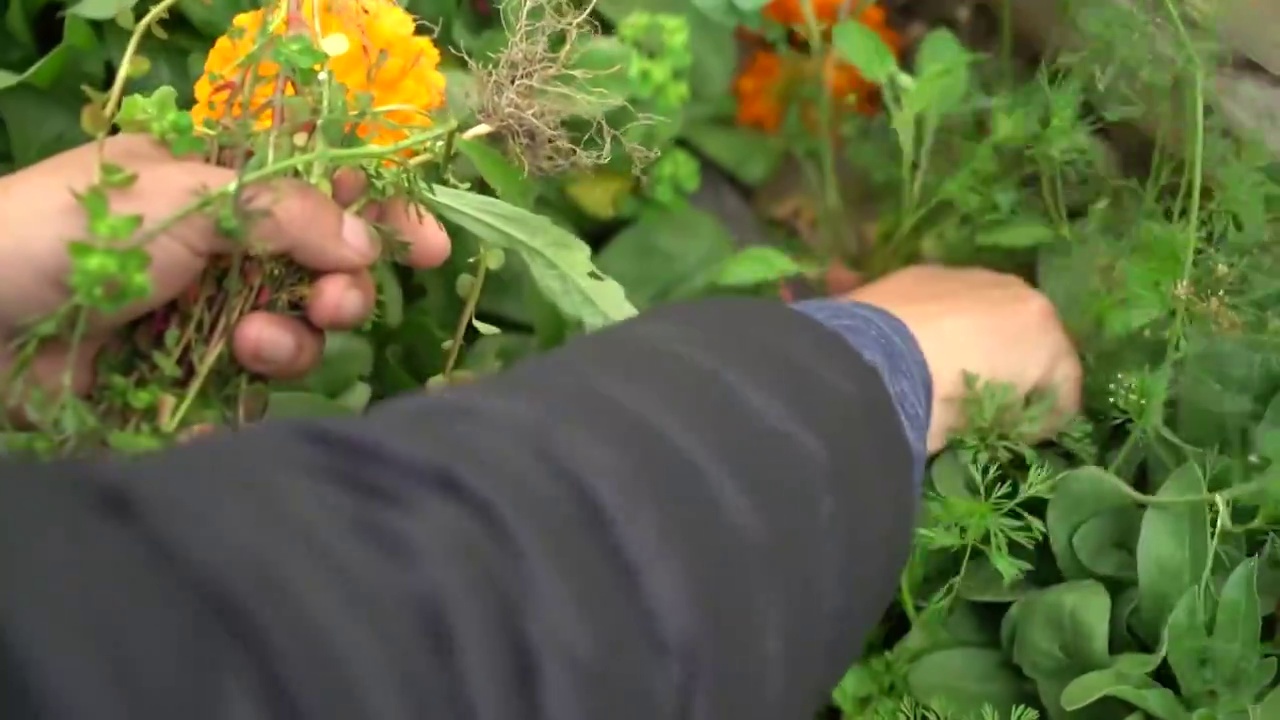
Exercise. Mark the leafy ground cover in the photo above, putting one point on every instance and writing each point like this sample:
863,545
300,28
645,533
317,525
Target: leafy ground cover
1127,570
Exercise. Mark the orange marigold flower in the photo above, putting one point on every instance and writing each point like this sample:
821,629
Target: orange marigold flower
372,51
769,83
760,89
827,12
846,84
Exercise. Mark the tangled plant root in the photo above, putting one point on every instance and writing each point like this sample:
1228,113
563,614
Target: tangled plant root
533,92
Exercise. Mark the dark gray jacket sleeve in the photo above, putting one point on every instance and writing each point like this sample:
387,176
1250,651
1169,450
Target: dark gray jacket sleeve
699,513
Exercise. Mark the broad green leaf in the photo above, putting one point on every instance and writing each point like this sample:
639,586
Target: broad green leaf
667,254
965,624
1063,630
1236,653
951,476
73,61
1106,542
355,398
1173,549
757,265
1269,708
942,74
507,180
100,10
1237,625
559,263
723,143
1016,234
1080,495
1123,607
303,406
863,48
852,688
1009,625
1224,386
1137,690
940,50
966,679
347,358
1267,434
40,124
983,583
428,322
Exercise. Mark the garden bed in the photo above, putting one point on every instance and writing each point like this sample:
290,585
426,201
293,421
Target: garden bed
1118,153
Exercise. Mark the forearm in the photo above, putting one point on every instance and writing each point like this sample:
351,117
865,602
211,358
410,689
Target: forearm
670,517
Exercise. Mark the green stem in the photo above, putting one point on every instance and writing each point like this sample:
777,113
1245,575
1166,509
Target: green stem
1231,493
328,155
832,208
116,94
468,313
1196,176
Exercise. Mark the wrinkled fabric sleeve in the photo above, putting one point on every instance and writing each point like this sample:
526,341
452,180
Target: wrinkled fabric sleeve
888,345
698,513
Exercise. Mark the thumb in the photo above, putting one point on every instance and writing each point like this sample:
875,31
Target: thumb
284,217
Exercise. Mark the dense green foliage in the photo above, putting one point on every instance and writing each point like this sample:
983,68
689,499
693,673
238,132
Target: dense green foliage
1129,569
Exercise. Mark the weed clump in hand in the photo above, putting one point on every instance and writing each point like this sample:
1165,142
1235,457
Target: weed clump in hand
343,95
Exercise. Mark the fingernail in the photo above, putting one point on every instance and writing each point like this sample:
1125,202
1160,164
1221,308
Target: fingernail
358,236
353,306
278,349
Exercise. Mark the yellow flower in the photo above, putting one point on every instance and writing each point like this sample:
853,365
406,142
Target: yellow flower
372,52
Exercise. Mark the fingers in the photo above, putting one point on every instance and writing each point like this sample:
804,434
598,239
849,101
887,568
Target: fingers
428,243
295,219
341,301
1066,383
276,346
282,347
349,185
1068,380
426,240
286,217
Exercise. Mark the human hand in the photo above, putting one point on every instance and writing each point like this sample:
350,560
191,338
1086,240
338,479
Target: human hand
39,216
993,325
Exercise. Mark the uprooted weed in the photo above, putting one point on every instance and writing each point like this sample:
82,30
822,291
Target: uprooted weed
538,96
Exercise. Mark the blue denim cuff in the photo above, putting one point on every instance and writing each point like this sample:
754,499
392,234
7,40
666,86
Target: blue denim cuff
892,350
